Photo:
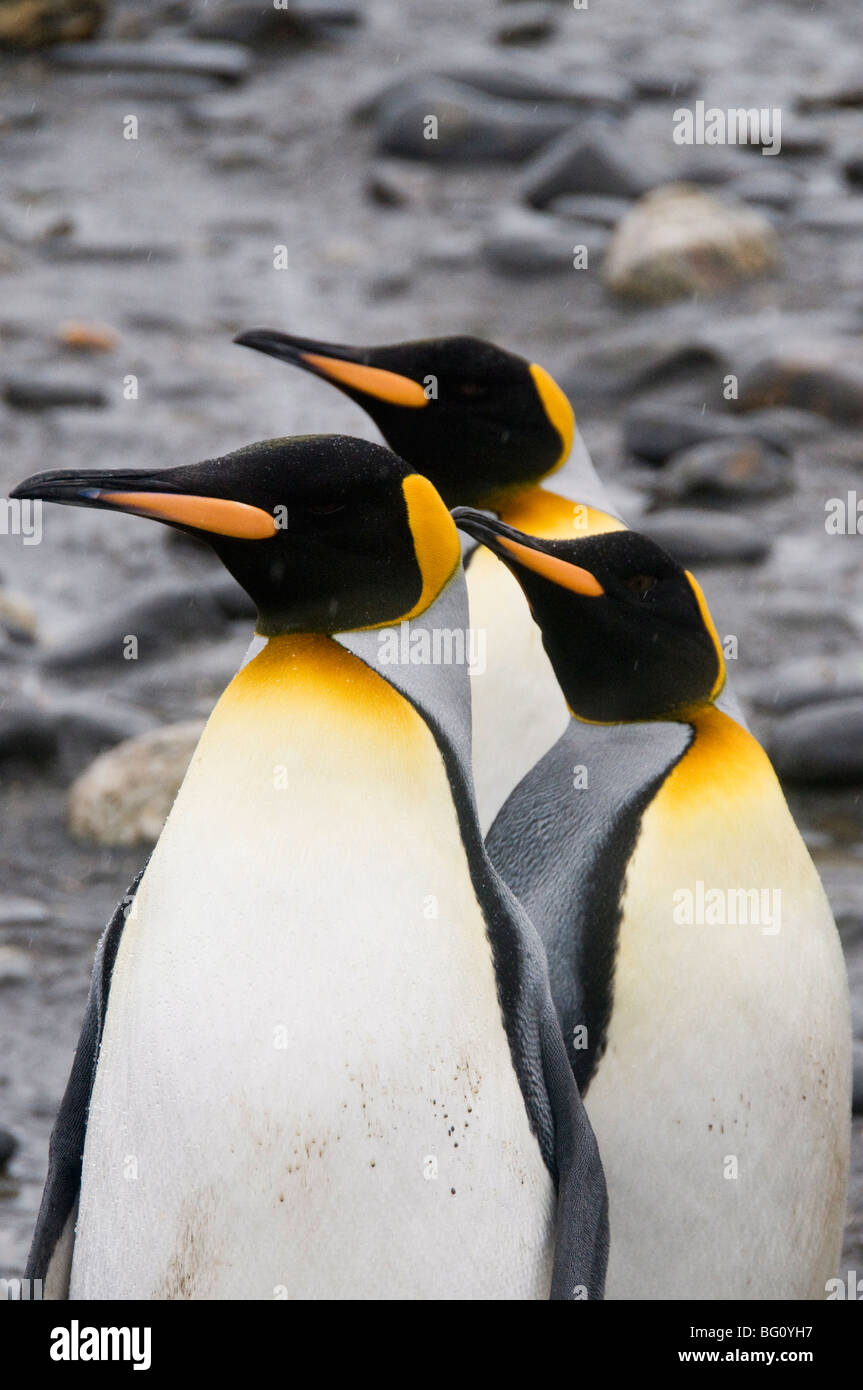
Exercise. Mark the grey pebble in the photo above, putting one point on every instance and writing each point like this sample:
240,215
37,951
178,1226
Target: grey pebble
820,744
655,432
471,127
580,161
706,538
740,469
51,392
229,61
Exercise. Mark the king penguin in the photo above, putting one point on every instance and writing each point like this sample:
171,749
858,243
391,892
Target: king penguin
695,964
320,1058
492,430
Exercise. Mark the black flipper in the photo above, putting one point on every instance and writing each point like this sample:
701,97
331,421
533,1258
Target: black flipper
562,842
50,1256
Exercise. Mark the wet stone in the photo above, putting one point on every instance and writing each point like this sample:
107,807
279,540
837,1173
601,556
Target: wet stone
523,243
256,24
804,385
807,680
583,162
163,621
706,538
724,470
470,127
820,744
655,432
229,61
526,22
51,392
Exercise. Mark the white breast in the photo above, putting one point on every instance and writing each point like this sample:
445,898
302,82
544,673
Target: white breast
721,1105
305,1088
518,709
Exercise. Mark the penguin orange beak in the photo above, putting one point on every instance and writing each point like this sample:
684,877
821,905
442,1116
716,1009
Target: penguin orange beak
341,366
527,551
145,494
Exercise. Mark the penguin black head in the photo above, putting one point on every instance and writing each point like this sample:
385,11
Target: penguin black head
325,533
478,421
626,628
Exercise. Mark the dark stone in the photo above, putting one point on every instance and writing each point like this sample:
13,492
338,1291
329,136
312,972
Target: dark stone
820,744
49,393
725,470
27,734
255,23
582,162
655,432
810,680
86,730
852,168
161,622
706,538
229,61
659,84
524,243
527,22
805,385
529,83
471,128
8,1148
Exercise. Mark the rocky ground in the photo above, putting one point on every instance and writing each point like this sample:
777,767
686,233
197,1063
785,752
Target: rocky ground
139,258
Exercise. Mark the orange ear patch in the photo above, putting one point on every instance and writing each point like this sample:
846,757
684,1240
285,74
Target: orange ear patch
372,381
560,572
218,515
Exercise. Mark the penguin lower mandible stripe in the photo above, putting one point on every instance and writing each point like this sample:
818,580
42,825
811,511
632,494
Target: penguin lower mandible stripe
491,430
694,960
320,1055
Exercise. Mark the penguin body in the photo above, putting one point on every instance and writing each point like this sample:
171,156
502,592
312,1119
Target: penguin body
694,960
328,1063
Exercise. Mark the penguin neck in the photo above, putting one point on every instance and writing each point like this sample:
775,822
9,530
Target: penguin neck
724,756
553,516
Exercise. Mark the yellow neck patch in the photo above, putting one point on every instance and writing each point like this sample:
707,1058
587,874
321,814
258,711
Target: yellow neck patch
435,537
711,628
551,517
557,408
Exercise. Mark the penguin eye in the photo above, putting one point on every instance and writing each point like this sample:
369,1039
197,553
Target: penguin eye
641,584
327,510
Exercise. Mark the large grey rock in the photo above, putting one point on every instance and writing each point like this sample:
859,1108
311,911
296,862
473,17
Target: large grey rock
172,616
470,127
653,432
803,384
124,797
679,241
821,744
525,243
807,680
706,538
580,161
229,61
725,470
531,83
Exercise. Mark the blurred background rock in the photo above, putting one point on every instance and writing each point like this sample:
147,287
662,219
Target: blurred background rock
126,264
